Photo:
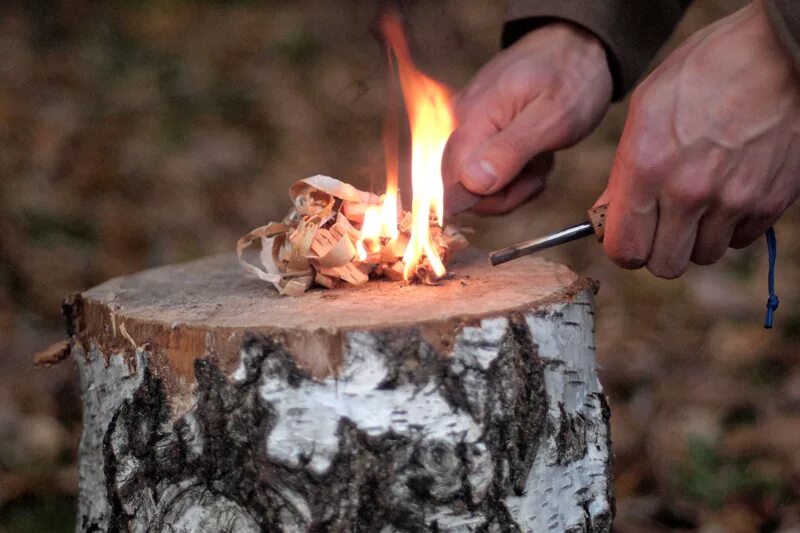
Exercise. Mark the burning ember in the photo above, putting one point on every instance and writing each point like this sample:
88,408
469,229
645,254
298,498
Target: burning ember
336,232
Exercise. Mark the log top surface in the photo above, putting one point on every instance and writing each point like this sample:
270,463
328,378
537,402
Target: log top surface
215,292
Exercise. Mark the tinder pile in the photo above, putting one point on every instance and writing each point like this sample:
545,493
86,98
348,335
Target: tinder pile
320,241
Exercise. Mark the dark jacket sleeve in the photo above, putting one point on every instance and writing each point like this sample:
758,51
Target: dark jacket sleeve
785,18
631,30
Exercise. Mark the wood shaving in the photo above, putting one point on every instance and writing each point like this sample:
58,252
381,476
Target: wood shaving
317,241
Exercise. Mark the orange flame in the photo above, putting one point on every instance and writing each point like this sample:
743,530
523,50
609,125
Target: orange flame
379,221
431,118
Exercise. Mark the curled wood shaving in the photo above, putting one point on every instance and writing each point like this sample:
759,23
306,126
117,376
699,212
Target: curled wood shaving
317,241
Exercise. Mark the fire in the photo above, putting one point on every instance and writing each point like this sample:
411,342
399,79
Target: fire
430,116
379,222
336,233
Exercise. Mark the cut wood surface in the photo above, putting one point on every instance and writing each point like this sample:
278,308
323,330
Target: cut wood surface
212,404
206,305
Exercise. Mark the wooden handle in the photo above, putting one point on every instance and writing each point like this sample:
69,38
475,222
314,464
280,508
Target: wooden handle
597,216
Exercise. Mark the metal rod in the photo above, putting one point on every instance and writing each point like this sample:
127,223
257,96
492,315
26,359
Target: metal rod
528,247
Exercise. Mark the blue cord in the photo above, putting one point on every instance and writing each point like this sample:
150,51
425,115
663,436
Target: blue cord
772,302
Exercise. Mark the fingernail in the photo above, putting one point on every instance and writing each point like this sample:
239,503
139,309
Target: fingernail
479,175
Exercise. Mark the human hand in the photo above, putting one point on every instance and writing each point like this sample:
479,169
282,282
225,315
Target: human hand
710,154
545,92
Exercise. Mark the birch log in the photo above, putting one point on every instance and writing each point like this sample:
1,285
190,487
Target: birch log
211,404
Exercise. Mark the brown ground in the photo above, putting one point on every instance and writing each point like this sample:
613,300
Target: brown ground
141,133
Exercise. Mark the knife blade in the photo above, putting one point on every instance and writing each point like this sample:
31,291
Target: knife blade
458,199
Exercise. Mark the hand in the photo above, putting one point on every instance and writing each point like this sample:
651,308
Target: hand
545,92
710,154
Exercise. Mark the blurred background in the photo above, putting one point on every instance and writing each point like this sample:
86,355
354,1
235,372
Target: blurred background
134,134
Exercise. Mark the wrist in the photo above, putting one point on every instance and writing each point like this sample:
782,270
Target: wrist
770,32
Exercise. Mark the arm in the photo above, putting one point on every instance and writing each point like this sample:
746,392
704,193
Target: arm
631,31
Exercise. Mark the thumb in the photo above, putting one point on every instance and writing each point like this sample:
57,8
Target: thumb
462,144
499,159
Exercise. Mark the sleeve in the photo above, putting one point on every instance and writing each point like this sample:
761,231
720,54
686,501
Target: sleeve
785,18
632,31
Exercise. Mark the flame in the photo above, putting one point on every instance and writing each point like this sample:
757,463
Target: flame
379,221
429,112
431,118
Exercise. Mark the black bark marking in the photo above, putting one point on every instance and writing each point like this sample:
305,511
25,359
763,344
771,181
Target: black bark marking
135,430
372,482
607,521
231,428
517,407
570,436
410,359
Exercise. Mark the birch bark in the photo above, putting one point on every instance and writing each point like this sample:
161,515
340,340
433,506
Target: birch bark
479,416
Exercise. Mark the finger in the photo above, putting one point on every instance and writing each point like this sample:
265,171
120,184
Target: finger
714,235
514,195
632,216
674,239
540,127
530,182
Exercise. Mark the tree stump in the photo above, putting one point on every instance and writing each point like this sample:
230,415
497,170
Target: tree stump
212,404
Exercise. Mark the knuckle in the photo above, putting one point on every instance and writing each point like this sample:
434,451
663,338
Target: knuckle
520,81
690,196
734,203
645,157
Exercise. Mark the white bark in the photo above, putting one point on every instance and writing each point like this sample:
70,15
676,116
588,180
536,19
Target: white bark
507,430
